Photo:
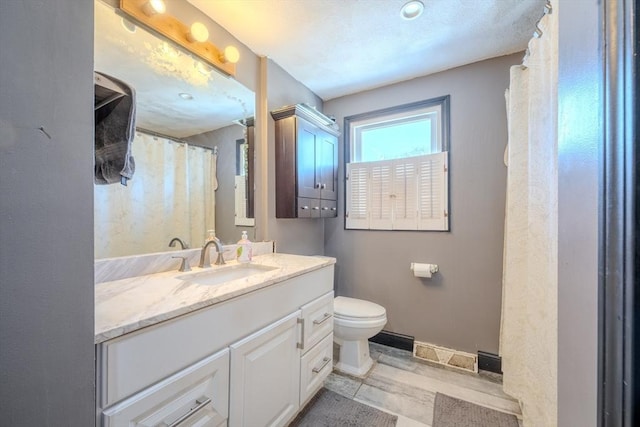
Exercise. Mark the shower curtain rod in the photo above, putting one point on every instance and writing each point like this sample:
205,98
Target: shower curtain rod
174,139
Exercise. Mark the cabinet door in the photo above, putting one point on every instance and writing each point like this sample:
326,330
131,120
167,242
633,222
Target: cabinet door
308,185
196,396
265,376
327,165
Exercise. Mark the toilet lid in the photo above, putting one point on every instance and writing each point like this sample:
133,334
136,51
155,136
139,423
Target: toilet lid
352,307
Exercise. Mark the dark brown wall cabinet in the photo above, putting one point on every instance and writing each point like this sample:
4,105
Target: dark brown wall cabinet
306,163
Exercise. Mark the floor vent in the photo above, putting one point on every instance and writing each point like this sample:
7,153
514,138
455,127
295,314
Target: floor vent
446,356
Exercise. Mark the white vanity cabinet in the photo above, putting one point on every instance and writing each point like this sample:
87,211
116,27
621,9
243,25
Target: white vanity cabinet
250,361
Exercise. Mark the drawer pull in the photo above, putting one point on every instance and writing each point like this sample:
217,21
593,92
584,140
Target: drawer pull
315,208
304,207
325,361
201,403
300,345
324,318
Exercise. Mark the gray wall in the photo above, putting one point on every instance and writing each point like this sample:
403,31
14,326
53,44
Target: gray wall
460,307
46,213
225,139
580,135
298,236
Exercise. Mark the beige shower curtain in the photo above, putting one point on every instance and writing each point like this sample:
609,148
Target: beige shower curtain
170,195
528,342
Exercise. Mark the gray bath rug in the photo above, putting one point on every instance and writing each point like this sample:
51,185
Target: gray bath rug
329,409
451,412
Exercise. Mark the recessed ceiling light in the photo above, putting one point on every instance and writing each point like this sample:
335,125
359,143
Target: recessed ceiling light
412,9
185,95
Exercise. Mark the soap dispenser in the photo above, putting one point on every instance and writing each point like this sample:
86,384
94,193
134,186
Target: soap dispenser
244,249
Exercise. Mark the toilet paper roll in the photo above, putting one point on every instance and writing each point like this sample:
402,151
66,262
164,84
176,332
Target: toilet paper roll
423,270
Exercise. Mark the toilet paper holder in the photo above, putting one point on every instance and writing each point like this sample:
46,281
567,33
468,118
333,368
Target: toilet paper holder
423,270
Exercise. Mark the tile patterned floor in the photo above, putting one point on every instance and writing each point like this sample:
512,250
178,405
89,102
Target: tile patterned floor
405,386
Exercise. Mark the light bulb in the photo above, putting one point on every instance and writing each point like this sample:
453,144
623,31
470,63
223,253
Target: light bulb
153,7
230,54
198,33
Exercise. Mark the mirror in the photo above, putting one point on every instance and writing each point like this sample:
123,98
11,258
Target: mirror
189,122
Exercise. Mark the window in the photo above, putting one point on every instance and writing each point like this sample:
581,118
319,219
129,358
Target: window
397,170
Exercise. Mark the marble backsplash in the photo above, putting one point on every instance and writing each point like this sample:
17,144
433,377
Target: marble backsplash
109,269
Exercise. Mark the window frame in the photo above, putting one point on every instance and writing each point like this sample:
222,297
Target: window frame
445,129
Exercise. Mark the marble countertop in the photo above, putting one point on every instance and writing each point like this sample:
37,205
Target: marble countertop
126,305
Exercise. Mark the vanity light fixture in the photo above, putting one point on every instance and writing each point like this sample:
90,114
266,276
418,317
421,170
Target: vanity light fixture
230,54
412,9
153,7
198,33
185,95
184,36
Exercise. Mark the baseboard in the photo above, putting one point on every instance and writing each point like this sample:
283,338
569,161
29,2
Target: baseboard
392,339
489,362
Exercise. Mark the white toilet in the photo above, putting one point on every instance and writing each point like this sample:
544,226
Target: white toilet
354,322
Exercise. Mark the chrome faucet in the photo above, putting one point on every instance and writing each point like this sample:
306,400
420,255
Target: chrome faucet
173,241
204,254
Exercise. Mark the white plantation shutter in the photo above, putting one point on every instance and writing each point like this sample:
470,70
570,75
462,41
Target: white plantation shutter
405,198
357,189
380,191
401,194
432,192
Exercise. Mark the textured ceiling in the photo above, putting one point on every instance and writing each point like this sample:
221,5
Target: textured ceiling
338,47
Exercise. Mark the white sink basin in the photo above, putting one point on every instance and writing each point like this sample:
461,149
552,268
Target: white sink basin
217,276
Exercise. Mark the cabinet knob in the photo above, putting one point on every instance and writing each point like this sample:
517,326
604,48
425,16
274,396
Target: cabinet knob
333,209
304,207
317,185
323,186
325,208
315,208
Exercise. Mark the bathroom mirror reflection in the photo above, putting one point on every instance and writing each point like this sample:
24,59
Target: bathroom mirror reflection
189,121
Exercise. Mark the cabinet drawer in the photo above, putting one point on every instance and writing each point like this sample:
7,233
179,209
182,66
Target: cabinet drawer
315,366
317,320
328,208
198,395
308,208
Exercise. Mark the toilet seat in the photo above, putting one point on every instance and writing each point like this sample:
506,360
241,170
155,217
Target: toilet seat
356,309
360,323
